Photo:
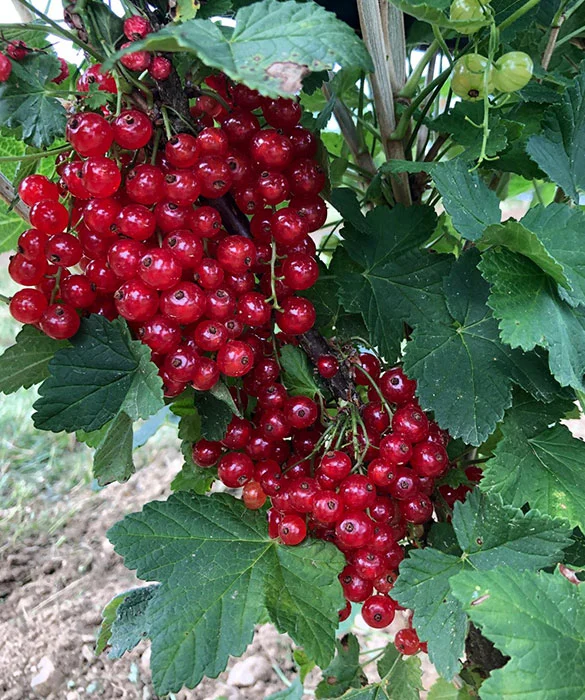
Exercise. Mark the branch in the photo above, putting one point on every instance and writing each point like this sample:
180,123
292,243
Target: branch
552,41
384,84
8,195
341,384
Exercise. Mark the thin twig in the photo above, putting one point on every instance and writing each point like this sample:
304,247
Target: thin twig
8,195
552,41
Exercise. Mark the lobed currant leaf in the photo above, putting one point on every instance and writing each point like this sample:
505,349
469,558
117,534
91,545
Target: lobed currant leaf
27,361
101,373
535,618
344,671
221,574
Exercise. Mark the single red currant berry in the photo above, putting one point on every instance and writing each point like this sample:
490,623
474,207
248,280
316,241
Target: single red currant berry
206,453
354,530
282,113
235,469
245,97
136,60
300,412
237,434
312,210
405,485
135,301
31,244
213,142
303,141
368,563
306,177
336,465
253,495
5,68
182,188
220,305
344,613
214,176
28,305
132,129
159,269
407,641
182,151
355,588
417,509
160,334
271,149
89,134
17,50
375,417
287,226
180,363
124,257
411,422
100,215
136,27
395,449
235,359
35,188
378,611
429,459
292,529
78,291
160,68
302,492
101,176
145,184
327,366
297,316
385,583
63,250
236,254
28,273
253,310
49,216
184,303
210,336
240,126
300,271
272,187
205,374
382,473
396,387
371,367
59,321
327,507
357,491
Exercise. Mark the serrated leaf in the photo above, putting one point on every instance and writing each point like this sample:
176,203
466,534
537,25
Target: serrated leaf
538,464
220,575
112,460
27,361
535,618
490,534
344,671
215,415
466,198
298,374
531,313
272,46
558,150
458,361
397,283
128,626
26,103
104,371
518,237
190,427
108,617
304,662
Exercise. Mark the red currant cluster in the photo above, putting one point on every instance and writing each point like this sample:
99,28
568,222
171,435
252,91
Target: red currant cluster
135,236
359,480
136,28
17,50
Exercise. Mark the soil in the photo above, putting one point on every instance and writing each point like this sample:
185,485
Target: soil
54,587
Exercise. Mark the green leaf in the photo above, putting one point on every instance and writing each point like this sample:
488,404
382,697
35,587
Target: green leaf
400,679
531,313
538,464
466,198
130,624
294,691
112,460
272,46
11,226
192,477
397,283
443,690
108,617
558,150
490,534
457,358
100,22
27,361
190,427
26,102
221,574
298,374
535,618
344,671
304,662
104,371
517,237
461,122
215,415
